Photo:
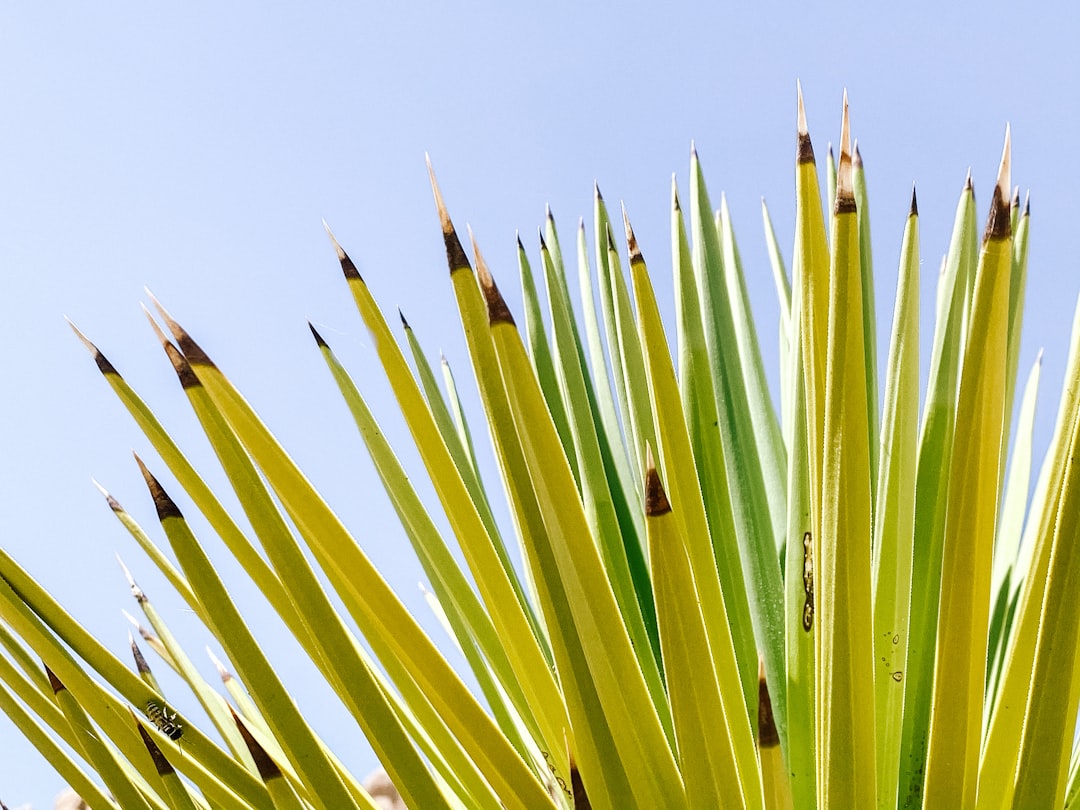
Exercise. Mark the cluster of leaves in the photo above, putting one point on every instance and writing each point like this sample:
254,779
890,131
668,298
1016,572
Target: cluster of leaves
713,593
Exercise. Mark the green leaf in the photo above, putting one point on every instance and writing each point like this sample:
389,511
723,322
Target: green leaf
605,403
894,524
113,771
35,616
35,706
323,783
787,332
869,318
1009,533
960,665
749,501
842,579
540,353
699,414
634,595
643,752
931,491
1002,746
1050,717
800,635
706,758
677,463
771,453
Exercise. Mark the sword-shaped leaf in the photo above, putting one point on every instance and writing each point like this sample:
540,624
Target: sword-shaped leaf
894,510
333,648
540,353
750,508
699,415
323,783
960,664
931,491
116,773
605,403
637,733
451,434
842,569
366,595
769,442
1009,534
1050,717
592,738
869,316
620,549
35,617
677,463
179,798
57,757
1002,745
706,748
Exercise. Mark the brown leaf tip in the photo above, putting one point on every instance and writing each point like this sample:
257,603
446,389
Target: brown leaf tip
914,203
347,266
266,766
182,367
404,323
1027,204
804,149
166,506
999,223
179,363
104,366
845,204
192,351
318,338
109,499
577,787
631,241
656,499
856,159
498,311
164,768
140,661
455,254
56,684
768,736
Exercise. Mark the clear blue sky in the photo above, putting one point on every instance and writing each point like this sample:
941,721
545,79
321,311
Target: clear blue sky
194,148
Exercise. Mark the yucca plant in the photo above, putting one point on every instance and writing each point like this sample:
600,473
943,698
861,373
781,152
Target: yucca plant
721,603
